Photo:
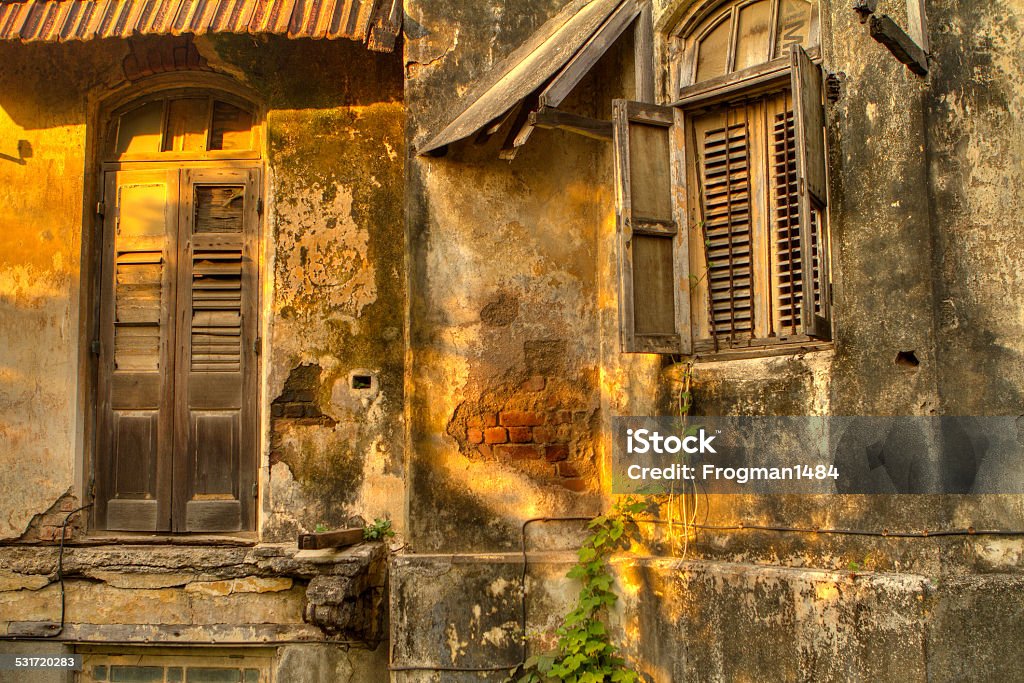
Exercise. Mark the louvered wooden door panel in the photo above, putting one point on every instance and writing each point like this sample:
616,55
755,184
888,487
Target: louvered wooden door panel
136,321
215,359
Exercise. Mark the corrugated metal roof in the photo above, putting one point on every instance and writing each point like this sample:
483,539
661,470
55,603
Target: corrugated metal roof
376,22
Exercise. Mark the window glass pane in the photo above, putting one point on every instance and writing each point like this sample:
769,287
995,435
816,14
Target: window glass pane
231,127
713,51
753,35
141,130
794,25
186,125
136,674
211,675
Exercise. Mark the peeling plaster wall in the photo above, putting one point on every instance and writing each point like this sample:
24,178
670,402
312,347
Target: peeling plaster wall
506,300
333,286
42,179
333,304
925,179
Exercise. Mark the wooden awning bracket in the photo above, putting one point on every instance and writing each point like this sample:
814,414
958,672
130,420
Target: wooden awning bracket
551,118
911,46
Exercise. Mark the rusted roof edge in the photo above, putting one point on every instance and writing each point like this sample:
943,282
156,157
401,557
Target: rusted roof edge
377,23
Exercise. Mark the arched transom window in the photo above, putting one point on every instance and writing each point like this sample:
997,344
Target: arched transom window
742,35
183,122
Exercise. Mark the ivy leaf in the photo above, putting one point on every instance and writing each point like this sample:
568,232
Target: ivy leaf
587,554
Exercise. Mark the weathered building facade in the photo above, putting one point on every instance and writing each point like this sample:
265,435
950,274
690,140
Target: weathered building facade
269,266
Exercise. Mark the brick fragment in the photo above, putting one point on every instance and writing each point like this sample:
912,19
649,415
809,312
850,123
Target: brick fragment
555,453
567,469
520,434
518,452
485,450
495,435
563,417
475,435
577,484
521,418
543,434
294,410
535,383
482,420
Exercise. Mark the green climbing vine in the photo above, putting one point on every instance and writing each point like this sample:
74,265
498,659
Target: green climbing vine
585,653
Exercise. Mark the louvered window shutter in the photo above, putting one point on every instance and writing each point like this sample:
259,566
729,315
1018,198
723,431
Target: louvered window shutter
809,139
726,228
136,351
215,361
654,308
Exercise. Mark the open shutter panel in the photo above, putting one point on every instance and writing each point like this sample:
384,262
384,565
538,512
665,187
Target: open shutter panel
214,473
654,309
727,218
136,359
809,131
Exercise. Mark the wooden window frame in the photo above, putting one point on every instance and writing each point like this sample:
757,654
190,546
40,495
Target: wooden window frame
683,38
773,76
103,123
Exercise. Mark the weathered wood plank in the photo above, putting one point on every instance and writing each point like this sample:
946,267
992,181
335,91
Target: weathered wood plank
572,73
525,70
330,539
883,29
573,123
643,54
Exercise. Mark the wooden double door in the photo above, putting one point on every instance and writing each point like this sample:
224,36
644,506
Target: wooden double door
176,448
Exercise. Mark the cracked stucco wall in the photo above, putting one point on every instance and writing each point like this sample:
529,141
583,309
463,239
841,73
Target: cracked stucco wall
333,285
925,216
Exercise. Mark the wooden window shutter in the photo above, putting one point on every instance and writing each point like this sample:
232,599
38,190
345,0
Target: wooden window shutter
136,351
653,304
215,361
727,226
809,130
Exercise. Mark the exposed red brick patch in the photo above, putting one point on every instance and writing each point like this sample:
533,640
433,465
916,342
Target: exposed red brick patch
556,453
543,434
484,420
484,450
520,434
518,452
521,418
475,435
495,435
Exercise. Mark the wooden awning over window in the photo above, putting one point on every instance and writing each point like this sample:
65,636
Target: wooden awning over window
375,22
541,73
